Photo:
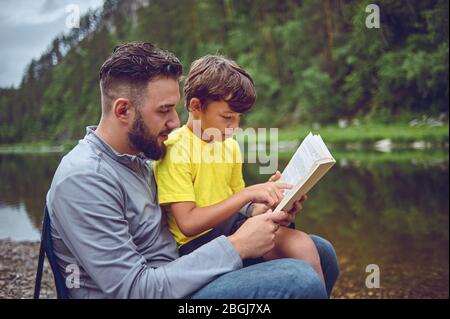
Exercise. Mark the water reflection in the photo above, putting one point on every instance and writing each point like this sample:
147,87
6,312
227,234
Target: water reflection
25,180
381,210
16,224
390,213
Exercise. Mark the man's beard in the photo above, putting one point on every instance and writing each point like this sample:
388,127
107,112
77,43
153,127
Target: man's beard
143,141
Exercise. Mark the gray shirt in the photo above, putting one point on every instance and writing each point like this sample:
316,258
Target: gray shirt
105,220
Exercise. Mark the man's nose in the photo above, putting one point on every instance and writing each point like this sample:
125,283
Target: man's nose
174,121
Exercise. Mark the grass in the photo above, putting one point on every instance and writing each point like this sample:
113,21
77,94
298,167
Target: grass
365,134
37,147
370,133
418,157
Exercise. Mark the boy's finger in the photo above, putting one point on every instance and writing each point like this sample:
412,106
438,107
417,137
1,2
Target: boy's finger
279,217
275,176
283,186
271,200
295,207
279,194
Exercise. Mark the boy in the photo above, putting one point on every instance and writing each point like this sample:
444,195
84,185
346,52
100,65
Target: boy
200,183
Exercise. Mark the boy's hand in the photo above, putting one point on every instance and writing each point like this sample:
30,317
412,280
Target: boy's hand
269,193
292,213
275,177
259,208
296,208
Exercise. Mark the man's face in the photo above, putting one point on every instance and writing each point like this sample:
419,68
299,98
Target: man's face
219,115
155,118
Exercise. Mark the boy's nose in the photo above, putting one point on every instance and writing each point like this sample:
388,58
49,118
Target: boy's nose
234,125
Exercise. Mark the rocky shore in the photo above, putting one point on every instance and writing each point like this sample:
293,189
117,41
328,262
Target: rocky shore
18,262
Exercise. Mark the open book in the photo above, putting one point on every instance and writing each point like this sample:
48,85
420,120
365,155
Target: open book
310,162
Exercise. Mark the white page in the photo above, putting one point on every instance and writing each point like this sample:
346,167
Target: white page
311,150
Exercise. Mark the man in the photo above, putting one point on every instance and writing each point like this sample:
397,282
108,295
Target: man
105,218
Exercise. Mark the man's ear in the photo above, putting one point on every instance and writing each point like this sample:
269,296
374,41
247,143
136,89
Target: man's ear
195,106
122,110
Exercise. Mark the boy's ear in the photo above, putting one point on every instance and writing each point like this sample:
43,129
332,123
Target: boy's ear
195,106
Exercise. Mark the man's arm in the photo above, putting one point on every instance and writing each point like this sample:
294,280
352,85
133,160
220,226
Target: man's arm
88,211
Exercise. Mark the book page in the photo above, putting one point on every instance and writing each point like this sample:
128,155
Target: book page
300,163
315,174
310,151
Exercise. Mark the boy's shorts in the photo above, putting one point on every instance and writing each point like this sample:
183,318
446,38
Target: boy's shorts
227,228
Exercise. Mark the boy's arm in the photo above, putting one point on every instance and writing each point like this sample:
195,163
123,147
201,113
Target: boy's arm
193,220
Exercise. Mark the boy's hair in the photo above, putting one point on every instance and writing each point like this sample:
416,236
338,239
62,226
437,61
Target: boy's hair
216,78
130,67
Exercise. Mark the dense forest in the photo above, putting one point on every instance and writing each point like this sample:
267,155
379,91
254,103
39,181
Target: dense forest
312,61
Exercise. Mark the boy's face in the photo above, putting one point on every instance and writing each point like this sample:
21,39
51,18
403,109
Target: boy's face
218,115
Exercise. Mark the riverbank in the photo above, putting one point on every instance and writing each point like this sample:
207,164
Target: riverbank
345,136
400,135
18,264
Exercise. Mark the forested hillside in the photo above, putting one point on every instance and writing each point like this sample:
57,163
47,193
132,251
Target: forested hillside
312,61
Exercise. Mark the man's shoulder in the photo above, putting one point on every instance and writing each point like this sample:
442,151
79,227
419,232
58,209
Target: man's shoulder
84,160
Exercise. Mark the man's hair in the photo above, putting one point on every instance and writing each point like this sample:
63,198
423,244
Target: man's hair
130,67
216,78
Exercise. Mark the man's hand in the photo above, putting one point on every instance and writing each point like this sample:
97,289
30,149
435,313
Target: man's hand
256,236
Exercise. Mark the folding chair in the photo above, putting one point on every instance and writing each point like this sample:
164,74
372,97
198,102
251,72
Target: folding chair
47,249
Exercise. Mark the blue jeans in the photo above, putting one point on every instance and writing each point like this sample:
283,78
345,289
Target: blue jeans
285,278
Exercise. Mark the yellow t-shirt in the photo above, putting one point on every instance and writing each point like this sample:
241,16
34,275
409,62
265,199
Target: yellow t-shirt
196,171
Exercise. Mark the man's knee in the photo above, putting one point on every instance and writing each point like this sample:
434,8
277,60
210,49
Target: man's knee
301,279
328,261
326,251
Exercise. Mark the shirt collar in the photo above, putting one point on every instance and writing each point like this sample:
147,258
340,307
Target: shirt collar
132,161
